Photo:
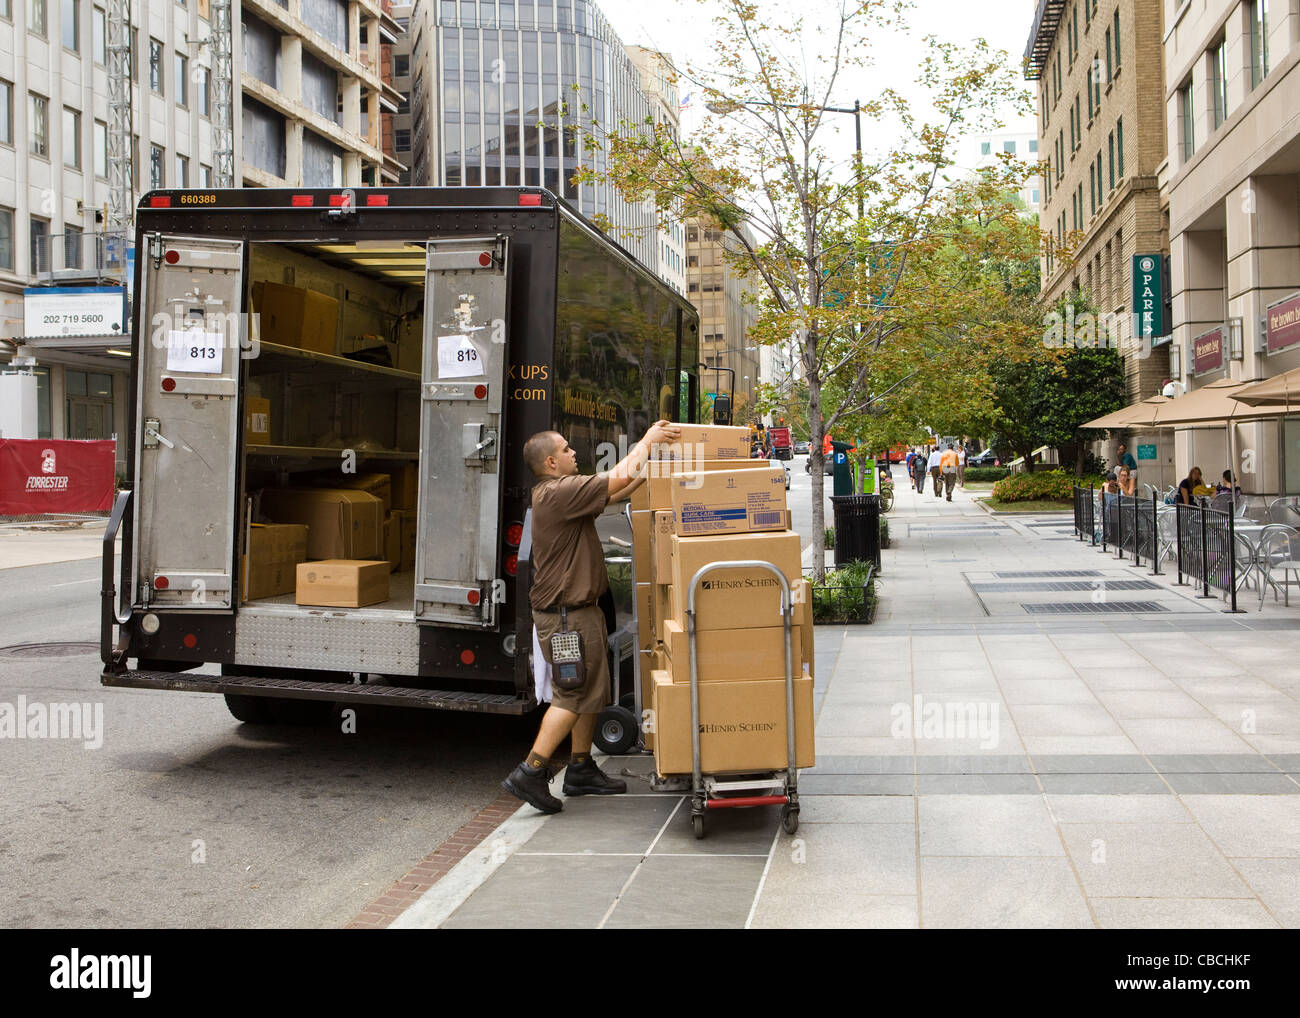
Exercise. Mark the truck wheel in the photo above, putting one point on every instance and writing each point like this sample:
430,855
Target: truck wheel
252,710
285,711
615,730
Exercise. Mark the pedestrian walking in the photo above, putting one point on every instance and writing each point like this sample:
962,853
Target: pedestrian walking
948,468
961,465
569,579
918,471
935,464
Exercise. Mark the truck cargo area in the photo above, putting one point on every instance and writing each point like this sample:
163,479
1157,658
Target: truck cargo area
338,377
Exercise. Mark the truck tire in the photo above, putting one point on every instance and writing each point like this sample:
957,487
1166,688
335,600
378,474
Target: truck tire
303,713
252,710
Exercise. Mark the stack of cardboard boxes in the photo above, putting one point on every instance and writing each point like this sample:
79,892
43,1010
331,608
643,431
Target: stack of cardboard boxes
704,503
334,545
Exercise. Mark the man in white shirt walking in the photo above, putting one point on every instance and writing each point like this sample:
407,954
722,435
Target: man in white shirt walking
933,466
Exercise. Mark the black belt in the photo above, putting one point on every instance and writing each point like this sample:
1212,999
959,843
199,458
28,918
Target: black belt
555,609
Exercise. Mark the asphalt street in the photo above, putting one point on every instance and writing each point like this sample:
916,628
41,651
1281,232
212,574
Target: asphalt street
186,818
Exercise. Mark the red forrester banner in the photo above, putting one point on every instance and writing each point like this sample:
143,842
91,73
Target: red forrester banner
49,476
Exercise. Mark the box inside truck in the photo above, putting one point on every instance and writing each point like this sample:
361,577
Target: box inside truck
332,415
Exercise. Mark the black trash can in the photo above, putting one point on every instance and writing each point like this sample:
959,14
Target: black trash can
857,529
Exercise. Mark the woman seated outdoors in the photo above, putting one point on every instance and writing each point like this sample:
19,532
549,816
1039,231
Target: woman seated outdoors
1191,486
1228,484
1126,481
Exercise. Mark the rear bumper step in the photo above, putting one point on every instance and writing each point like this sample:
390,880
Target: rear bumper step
301,689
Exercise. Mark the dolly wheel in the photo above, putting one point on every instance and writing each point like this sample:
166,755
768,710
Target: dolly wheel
698,821
790,819
616,730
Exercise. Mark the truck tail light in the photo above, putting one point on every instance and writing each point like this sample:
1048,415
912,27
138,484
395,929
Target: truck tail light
473,597
376,199
190,640
160,201
530,199
160,583
172,257
340,201
302,200
514,534
480,392
512,563
467,657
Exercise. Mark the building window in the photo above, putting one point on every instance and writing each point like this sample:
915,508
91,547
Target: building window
72,237
1100,200
7,239
101,149
1092,189
181,68
401,66
1091,105
1078,121
36,17
157,159
6,10
182,172
6,113
1188,115
71,139
1119,148
1110,144
205,175
1115,30
38,123
1034,194
1033,145
1258,13
156,66
402,139
99,35
38,245
1009,146
1073,129
71,25
205,92
1096,82
986,148
1219,82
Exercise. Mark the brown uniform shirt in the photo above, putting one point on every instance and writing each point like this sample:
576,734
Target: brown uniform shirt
568,561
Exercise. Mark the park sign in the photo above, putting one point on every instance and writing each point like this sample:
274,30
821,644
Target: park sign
1283,323
1207,351
1149,297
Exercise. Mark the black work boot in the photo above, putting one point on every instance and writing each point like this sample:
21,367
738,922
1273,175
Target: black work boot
532,785
586,778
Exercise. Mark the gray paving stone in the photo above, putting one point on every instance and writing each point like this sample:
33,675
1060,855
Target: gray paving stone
977,784
1250,825
1005,825
604,823
1181,914
689,892
857,784
1234,784
1001,893
1277,884
862,765
737,831
1123,809
579,891
1213,763
968,764
856,809
1155,860
1104,763
1103,784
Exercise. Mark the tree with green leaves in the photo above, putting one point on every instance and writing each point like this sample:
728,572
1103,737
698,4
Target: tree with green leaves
849,262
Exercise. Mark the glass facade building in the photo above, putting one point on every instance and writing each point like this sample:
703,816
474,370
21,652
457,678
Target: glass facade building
508,92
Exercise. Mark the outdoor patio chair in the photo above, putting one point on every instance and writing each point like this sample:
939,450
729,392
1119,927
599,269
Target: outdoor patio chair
1279,551
1222,502
1151,490
1166,535
1285,510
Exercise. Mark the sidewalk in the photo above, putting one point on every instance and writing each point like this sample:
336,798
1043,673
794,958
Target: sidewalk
36,544
1024,738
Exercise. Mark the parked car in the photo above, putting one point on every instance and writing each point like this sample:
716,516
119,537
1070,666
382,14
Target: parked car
987,458
802,448
828,465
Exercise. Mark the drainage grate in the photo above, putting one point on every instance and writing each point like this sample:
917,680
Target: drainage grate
1088,608
1047,573
26,650
1063,585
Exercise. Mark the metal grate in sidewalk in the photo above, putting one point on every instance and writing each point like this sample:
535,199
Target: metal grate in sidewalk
1061,586
1047,574
1089,608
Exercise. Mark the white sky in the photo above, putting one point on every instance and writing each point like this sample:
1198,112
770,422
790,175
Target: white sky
682,28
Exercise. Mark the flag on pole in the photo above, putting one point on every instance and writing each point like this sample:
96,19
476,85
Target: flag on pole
686,101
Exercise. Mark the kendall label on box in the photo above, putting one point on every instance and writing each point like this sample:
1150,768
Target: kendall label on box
729,502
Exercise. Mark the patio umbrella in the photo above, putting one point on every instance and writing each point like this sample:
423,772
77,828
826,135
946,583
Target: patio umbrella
1210,404
1138,415
1283,389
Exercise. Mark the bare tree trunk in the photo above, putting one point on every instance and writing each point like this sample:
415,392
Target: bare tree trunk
816,459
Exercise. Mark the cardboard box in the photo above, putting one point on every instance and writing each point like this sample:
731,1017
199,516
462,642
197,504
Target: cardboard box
803,617
661,546
732,654
404,481
707,441
663,610
294,316
734,598
641,545
393,542
341,583
656,493
729,502
342,524
271,559
742,725
257,421
645,611
379,485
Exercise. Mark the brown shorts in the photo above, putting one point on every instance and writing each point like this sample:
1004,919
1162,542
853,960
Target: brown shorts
593,697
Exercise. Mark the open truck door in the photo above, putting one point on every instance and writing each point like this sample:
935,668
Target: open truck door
462,399
189,346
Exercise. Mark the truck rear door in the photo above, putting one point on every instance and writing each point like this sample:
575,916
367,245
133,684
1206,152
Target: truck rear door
189,345
462,398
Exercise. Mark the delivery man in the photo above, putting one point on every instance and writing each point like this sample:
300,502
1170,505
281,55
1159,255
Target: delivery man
569,572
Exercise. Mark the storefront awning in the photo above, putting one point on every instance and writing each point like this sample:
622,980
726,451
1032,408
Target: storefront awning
1138,415
1211,404
1280,390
